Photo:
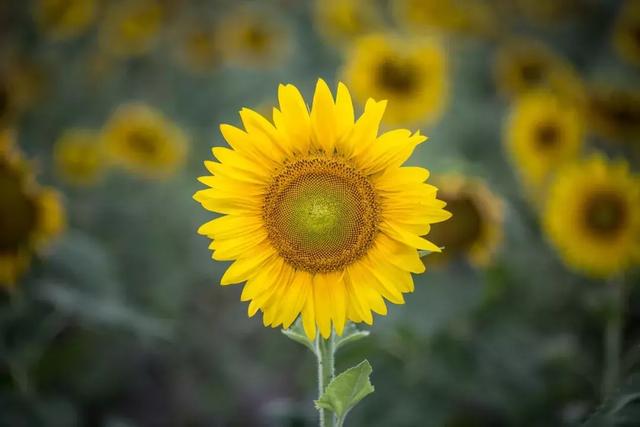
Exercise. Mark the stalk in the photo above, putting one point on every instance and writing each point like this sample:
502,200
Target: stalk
325,351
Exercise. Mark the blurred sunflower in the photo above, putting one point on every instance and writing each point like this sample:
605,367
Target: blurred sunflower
410,73
548,11
131,28
30,216
198,49
7,103
143,140
253,37
63,19
475,17
343,20
79,156
626,33
614,113
592,216
475,228
542,132
523,65
22,83
319,217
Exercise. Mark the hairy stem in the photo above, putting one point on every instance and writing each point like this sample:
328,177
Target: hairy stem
613,340
325,350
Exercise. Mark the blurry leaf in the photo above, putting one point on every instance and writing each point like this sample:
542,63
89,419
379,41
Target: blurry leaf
346,390
296,333
351,334
423,253
622,409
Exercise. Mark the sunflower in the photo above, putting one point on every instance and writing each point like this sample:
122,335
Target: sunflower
198,49
626,33
474,17
143,140
614,113
410,73
475,229
79,156
319,216
63,19
523,65
542,132
592,216
343,20
131,28
30,215
548,11
253,37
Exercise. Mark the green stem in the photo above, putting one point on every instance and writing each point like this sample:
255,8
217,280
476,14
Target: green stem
613,340
325,351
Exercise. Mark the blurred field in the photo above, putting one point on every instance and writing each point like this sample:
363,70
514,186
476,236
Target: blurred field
117,319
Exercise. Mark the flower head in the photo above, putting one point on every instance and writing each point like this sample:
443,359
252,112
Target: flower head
343,20
62,19
131,28
614,113
626,34
144,140
79,156
411,74
319,215
30,215
592,216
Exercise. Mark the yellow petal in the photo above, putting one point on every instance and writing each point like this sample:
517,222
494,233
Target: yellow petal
323,118
244,268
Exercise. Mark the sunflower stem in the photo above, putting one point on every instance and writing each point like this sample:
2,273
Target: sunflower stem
613,339
325,352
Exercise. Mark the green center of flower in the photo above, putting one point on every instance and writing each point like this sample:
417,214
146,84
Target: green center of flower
17,213
605,214
321,214
397,76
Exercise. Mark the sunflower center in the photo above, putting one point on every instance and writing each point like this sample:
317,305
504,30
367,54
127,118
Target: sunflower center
464,228
532,72
547,135
17,213
143,142
397,76
257,38
321,214
605,214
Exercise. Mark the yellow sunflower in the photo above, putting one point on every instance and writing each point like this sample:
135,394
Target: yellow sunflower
410,73
548,11
63,19
592,216
626,33
475,229
343,20
614,113
542,133
79,156
253,37
30,216
131,28
456,16
523,65
198,49
144,140
318,214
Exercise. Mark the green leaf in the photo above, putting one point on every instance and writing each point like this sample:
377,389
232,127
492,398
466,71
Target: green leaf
350,334
297,334
346,390
422,253
622,409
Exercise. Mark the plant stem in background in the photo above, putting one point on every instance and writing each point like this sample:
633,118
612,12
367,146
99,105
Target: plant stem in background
613,339
325,351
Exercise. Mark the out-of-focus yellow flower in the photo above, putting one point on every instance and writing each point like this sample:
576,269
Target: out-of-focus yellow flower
475,228
30,215
79,156
548,11
318,214
253,37
131,28
410,73
63,19
343,20
524,65
21,84
614,113
626,34
542,133
143,140
457,16
198,49
592,216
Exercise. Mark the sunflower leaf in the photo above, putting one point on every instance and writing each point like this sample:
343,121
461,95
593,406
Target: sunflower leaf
350,334
297,334
346,390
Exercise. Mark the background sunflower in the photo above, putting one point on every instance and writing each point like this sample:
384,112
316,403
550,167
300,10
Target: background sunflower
115,318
